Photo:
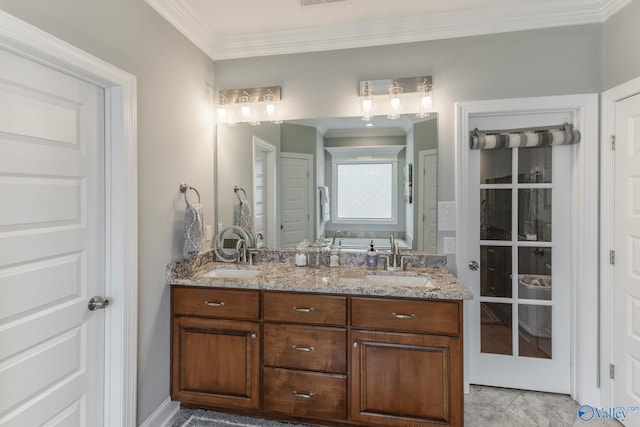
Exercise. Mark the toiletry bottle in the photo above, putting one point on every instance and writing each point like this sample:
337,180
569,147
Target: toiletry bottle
334,258
301,254
372,257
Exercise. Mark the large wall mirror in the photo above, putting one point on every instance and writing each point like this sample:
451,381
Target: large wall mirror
340,178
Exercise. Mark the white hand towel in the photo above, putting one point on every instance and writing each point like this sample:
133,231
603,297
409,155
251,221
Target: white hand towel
193,230
245,219
325,206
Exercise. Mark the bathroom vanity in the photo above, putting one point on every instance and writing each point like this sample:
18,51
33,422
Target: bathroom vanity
335,346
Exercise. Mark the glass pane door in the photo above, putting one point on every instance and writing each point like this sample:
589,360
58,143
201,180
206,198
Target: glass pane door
522,318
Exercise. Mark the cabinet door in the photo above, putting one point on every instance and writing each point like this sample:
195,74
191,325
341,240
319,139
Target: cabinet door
216,362
406,379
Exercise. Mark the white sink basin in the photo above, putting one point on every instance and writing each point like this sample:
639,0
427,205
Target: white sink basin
233,273
380,280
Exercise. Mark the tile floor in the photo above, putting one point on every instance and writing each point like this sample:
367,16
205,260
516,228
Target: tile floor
483,407
498,407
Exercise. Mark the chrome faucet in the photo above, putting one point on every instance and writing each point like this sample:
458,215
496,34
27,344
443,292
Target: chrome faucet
396,262
257,236
333,242
241,251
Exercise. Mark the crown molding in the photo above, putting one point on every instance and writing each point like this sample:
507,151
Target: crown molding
413,29
184,19
534,15
611,7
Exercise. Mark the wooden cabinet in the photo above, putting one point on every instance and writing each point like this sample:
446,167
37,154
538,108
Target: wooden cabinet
305,361
215,362
413,375
335,359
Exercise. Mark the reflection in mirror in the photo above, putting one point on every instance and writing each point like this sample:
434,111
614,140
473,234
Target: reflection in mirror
337,178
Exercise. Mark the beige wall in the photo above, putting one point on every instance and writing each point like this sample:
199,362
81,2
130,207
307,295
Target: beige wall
175,144
621,61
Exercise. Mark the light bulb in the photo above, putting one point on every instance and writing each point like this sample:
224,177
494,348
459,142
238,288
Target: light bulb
367,109
223,118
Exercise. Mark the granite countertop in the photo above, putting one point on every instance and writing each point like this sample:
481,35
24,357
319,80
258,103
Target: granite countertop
281,276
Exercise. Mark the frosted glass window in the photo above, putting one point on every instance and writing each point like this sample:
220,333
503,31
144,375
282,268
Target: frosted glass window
365,191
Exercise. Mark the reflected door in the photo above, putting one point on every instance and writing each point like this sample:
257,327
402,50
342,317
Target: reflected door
296,194
520,334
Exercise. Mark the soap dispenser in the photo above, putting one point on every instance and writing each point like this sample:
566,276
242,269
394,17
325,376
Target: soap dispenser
372,257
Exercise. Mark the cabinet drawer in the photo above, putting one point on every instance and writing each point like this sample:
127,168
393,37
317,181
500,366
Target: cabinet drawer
431,317
305,308
305,347
305,394
216,302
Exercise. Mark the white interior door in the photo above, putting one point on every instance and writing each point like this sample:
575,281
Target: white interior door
264,190
51,246
627,250
296,198
260,207
520,239
429,199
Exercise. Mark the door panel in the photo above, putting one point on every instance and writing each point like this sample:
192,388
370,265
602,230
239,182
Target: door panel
295,200
430,203
51,246
520,235
627,249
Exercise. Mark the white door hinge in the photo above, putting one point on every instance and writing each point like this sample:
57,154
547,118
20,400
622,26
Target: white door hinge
613,142
612,257
612,371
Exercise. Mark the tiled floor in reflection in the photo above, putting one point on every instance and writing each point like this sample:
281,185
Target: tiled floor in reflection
498,407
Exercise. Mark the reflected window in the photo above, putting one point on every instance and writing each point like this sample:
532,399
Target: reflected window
365,191
365,184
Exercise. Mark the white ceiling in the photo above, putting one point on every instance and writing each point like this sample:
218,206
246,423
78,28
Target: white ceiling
226,29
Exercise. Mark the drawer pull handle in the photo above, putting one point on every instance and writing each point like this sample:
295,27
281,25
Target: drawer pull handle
214,304
303,395
303,348
403,316
303,309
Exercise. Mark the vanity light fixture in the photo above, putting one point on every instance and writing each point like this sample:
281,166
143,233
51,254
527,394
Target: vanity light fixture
366,103
245,108
406,94
270,109
244,103
426,102
223,116
395,101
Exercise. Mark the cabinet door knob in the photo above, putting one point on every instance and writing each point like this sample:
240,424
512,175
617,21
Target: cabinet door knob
355,344
253,336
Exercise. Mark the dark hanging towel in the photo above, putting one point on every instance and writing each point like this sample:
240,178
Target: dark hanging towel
536,137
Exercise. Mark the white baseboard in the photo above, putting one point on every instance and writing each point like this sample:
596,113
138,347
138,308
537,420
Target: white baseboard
162,415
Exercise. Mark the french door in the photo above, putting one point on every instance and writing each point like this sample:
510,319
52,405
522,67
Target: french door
519,244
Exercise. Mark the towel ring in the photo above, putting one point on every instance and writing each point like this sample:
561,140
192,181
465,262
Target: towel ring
184,188
236,189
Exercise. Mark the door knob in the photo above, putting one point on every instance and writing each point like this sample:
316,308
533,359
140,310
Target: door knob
98,303
473,265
